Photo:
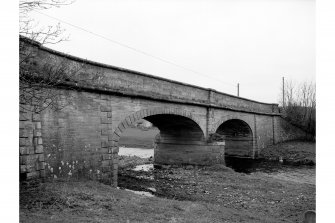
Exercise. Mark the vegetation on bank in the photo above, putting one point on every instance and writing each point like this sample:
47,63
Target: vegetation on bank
293,152
299,105
202,194
213,195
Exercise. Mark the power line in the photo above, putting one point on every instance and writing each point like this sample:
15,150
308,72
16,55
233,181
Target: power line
133,49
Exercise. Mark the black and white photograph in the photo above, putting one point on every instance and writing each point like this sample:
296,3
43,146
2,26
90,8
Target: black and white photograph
166,111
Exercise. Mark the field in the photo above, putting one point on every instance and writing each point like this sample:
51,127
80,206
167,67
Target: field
133,137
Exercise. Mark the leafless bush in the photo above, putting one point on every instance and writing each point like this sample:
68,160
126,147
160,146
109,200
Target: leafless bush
300,105
35,82
29,28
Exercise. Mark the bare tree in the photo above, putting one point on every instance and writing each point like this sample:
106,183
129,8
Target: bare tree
30,28
36,83
300,105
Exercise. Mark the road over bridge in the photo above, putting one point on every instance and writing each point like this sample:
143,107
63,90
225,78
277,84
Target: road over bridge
101,101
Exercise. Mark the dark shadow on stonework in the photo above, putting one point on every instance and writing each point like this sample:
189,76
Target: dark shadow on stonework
180,140
238,138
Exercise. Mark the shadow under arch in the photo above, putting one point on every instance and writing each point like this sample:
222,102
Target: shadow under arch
174,123
181,139
238,138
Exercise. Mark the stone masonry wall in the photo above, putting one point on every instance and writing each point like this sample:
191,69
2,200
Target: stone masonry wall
79,140
133,83
32,160
284,131
76,137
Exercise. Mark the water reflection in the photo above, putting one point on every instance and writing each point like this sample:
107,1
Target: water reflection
248,165
275,169
143,193
140,152
144,167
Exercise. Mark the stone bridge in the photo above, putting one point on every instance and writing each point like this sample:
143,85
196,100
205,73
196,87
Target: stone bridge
101,101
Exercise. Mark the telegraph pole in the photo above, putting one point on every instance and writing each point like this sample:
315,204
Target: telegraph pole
238,89
283,92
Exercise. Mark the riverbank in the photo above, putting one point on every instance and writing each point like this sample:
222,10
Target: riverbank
214,194
178,194
94,202
293,152
260,194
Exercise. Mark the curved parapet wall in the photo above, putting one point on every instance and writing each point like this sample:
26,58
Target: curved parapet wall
115,80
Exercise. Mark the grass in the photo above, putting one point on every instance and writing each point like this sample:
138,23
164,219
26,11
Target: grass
133,137
88,201
299,152
218,194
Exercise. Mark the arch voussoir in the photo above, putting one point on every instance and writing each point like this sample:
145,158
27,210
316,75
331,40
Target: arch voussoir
124,123
138,115
222,120
115,137
130,119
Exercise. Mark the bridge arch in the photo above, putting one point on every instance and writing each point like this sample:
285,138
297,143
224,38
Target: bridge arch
174,124
238,135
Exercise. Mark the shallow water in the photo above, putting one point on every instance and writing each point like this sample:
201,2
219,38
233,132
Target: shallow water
140,152
143,193
275,169
144,167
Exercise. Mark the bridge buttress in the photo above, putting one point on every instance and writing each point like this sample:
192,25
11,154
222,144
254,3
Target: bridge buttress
255,141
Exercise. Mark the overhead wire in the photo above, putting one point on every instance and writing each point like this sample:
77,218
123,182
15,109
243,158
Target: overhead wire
133,49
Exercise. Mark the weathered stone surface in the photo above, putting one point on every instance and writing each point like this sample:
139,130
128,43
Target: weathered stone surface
23,168
41,157
105,120
104,108
38,125
25,142
24,150
36,117
23,133
25,116
37,132
39,149
106,132
105,144
109,114
114,150
33,174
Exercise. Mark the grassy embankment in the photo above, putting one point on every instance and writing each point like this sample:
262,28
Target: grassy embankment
294,152
133,137
215,195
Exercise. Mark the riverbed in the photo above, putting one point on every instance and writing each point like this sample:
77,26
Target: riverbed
257,187
275,169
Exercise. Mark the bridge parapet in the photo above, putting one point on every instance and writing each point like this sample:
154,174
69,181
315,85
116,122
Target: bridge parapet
115,80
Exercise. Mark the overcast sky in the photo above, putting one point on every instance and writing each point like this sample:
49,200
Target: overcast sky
251,42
